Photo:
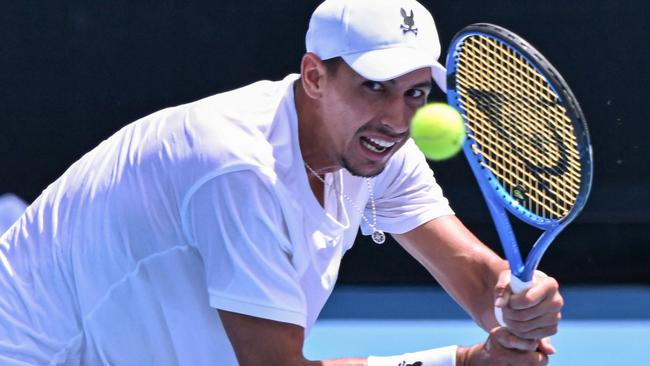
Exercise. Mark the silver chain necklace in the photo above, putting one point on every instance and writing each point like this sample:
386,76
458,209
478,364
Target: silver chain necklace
377,236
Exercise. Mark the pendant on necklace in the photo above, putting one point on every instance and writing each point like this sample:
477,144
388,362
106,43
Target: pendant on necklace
378,237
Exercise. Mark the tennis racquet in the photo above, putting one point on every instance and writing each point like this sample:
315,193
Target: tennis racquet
527,144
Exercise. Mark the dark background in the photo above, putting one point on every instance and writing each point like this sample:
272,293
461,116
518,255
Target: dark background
72,74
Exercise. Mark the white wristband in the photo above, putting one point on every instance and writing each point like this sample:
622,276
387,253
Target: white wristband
445,356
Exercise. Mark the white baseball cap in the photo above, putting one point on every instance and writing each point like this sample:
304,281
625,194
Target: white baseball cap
379,39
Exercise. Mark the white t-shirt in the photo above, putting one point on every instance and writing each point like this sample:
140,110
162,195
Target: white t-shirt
207,205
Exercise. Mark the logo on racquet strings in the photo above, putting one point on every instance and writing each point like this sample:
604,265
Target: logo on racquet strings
492,105
409,22
520,194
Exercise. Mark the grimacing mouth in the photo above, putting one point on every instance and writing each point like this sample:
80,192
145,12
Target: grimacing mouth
377,145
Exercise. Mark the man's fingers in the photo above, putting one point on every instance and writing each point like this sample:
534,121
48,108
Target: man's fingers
527,325
504,349
502,290
546,289
533,314
544,309
510,341
535,323
538,333
546,347
530,358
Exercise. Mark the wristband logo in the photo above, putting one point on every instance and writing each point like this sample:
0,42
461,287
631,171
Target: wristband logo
417,363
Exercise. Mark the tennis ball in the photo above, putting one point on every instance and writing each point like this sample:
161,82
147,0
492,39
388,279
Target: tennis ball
438,130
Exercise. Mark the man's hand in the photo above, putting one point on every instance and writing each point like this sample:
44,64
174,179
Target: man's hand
502,348
534,313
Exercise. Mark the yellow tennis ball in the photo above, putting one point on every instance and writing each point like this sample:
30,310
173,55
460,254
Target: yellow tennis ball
438,130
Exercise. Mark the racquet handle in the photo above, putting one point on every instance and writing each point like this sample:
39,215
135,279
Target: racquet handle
518,286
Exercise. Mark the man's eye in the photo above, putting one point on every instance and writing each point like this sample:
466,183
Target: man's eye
374,85
416,93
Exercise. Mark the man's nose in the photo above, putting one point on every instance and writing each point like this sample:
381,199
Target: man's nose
397,116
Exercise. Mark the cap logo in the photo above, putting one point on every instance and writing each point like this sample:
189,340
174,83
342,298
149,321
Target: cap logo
409,23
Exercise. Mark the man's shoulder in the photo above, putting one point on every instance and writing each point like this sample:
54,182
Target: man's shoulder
251,102
239,122
232,128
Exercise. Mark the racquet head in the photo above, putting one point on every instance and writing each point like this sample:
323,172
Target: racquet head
527,136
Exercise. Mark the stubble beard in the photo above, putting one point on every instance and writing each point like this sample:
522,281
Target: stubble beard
357,172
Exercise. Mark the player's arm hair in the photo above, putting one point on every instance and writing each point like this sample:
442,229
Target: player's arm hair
263,342
466,268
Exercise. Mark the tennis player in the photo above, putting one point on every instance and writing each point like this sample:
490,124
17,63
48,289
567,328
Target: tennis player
211,233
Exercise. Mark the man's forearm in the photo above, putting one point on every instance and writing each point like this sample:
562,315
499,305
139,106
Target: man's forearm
484,310
466,268
343,362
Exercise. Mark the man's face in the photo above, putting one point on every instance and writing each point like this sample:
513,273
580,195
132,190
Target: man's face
368,121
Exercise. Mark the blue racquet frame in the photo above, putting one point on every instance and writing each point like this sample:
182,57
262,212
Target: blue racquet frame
498,199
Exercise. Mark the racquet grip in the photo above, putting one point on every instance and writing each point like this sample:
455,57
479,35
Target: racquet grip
518,286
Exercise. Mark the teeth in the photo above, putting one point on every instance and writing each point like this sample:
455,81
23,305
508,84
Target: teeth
382,143
376,145
372,147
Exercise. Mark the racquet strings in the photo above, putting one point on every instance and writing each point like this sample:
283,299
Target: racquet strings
520,131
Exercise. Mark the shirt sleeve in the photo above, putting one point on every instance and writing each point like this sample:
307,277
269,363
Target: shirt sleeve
406,194
236,224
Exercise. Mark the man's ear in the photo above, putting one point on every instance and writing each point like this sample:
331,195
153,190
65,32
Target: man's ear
312,73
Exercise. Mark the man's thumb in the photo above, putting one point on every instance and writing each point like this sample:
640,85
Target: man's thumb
502,290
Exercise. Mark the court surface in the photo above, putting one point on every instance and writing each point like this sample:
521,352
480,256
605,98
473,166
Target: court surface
601,325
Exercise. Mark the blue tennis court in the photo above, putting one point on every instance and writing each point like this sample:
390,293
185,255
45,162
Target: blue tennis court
601,326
